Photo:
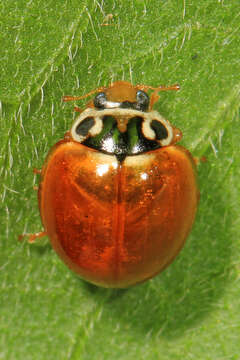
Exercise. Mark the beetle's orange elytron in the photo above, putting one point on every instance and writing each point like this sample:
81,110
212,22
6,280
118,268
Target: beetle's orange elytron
117,197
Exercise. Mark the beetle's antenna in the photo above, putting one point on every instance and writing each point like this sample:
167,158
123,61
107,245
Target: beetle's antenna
154,96
175,87
73,98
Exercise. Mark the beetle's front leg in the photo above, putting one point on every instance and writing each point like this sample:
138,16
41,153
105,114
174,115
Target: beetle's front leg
32,237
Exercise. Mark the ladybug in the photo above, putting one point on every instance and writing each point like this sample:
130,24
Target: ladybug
117,196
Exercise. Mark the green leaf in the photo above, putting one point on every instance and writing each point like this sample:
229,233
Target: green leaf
56,48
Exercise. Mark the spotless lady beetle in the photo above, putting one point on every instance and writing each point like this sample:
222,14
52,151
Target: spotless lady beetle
117,197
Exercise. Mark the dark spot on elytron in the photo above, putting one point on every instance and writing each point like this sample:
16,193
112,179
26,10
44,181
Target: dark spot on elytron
84,126
160,130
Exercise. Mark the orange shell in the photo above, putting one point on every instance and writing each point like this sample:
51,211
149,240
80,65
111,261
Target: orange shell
117,224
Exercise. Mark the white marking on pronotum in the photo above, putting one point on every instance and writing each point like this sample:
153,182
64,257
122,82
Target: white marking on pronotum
119,113
149,133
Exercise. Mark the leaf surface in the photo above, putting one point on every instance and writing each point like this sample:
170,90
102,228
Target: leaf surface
56,48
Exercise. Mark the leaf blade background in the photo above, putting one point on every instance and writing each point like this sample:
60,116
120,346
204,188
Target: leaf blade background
192,309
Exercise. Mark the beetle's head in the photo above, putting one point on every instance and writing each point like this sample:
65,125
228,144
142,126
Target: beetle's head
122,94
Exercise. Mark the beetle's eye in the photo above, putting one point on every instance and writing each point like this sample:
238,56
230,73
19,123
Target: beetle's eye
142,100
100,100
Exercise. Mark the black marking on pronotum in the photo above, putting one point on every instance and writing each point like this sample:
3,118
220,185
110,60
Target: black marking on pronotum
83,128
144,131
111,141
160,130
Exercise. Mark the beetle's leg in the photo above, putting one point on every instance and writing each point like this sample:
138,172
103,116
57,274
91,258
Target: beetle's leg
199,160
76,108
32,237
37,171
67,136
153,99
